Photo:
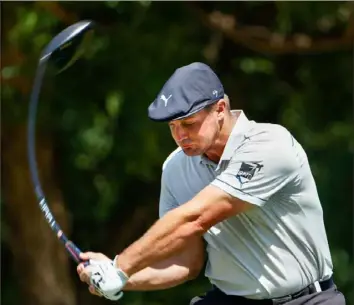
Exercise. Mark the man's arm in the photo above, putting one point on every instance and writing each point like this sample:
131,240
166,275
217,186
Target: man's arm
171,272
226,196
174,231
250,179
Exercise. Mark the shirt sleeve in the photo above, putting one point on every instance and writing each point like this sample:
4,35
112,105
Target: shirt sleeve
167,200
255,176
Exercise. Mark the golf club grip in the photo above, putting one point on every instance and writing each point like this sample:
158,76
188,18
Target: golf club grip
74,252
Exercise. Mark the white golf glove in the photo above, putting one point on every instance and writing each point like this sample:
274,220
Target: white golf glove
107,278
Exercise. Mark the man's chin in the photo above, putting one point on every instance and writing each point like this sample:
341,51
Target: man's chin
190,151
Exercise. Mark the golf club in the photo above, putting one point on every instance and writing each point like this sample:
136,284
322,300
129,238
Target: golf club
62,51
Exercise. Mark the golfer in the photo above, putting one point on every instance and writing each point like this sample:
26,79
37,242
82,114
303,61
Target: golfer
237,194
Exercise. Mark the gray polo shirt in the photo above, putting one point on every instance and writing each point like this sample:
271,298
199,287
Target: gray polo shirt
280,246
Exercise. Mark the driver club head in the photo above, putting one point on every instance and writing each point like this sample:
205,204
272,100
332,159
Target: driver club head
66,47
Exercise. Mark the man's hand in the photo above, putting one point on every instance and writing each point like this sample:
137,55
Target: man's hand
103,277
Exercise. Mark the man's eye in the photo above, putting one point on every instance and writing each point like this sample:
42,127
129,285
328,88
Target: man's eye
188,123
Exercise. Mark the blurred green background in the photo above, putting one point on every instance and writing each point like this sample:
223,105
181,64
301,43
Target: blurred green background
99,155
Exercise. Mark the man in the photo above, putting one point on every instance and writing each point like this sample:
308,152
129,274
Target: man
246,189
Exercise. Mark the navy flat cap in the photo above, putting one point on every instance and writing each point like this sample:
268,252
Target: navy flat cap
190,89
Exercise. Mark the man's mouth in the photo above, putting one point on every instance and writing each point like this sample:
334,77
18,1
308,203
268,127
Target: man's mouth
186,146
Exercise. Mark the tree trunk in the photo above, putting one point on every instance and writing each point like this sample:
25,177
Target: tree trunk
41,263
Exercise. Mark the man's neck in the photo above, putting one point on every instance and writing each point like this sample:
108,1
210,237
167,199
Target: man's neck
215,152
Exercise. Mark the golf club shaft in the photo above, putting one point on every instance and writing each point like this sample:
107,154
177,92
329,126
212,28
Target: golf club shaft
69,245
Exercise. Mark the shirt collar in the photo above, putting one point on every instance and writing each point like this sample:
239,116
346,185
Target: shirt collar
237,135
241,126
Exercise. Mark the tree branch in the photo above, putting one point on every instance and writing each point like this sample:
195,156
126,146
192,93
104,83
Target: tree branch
55,9
260,39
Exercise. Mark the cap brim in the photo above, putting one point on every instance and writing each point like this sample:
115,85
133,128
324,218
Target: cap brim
192,111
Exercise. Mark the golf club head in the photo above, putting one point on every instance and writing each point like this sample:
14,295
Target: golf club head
65,48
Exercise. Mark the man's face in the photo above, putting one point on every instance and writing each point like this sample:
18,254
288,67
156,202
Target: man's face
197,133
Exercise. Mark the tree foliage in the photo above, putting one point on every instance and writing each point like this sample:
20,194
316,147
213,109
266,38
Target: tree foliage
282,62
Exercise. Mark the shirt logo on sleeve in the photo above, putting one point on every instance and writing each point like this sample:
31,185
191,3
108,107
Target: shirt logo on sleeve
247,171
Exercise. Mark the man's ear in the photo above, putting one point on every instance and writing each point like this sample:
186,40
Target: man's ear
221,108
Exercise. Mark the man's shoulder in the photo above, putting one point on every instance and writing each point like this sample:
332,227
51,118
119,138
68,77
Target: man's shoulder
270,128
266,140
268,132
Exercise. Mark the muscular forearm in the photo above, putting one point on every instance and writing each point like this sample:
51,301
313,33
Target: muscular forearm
166,237
154,278
172,233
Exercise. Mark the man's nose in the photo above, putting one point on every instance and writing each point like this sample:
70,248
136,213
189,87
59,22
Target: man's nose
180,134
